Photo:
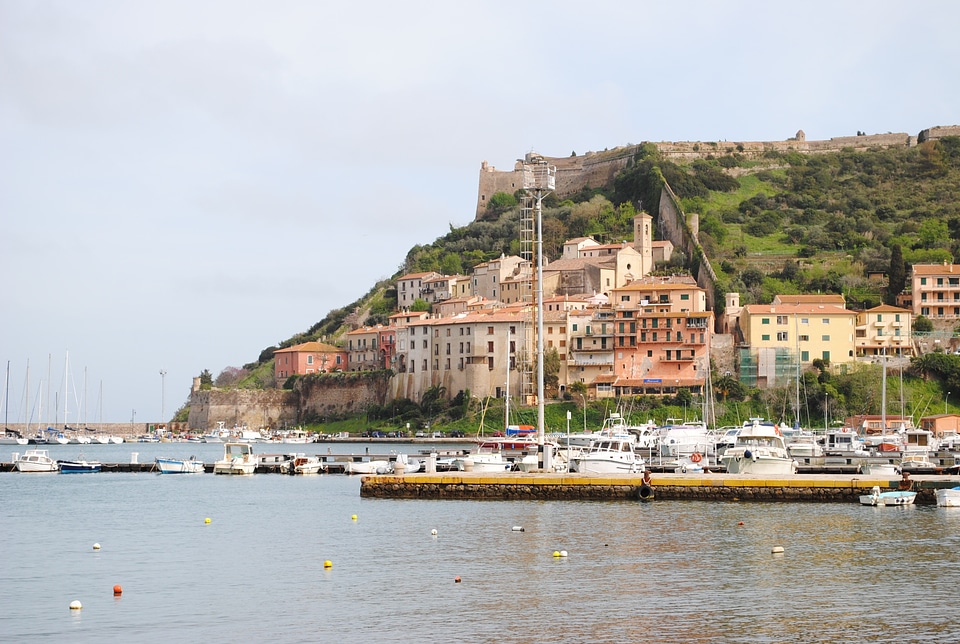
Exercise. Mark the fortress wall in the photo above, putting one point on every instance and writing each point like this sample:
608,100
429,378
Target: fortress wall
254,408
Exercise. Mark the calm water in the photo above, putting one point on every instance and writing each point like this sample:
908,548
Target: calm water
662,571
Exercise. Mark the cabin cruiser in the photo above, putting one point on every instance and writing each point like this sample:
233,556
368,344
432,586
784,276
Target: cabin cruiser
609,455
760,449
684,439
237,458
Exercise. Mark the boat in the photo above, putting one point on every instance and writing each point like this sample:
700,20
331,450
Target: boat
217,435
78,467
237,458
609,455
303,464
892,497
36,460
13,437
879,469
917,463
179,465
378,466
683,439
406,465
760,449
488,457
949,497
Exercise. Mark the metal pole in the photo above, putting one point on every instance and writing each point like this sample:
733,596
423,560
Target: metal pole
540,421
584,413
163,395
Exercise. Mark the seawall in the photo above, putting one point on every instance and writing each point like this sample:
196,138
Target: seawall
509,486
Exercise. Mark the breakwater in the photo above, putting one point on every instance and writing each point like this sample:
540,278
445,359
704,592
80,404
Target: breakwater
508,486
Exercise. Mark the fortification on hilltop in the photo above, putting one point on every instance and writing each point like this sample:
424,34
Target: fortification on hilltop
599,168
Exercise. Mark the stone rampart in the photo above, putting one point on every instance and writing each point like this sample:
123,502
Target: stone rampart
599,168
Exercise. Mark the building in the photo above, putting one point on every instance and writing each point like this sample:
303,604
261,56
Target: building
774,334
489,276
309,357
936,290
370,348
590,349
942,425
410,288
442,287
884,330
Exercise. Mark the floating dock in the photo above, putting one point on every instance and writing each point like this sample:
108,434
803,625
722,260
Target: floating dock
814,488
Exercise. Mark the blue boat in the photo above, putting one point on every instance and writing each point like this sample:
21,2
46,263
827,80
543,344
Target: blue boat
78,467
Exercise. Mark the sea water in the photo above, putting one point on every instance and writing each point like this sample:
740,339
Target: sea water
667,571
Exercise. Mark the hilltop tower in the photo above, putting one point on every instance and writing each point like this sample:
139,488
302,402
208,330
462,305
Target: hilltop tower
643,241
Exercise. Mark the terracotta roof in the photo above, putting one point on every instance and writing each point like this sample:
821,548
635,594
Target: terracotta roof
774,309
887,308
310,347
936,269
811,298
418,276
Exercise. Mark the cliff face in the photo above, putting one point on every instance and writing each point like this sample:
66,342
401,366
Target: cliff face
316,397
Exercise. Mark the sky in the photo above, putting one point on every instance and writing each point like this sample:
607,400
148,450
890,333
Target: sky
184,183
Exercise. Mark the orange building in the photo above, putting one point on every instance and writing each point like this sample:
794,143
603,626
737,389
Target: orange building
309,357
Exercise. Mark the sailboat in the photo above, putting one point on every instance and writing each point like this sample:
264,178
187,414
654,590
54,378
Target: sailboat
10,437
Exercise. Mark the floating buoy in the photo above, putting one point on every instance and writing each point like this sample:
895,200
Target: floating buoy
741,523
207,520
96,546
328,564
518,528
354,517
556,553
777,550
434,532
456,580
117,590
75,605
563,553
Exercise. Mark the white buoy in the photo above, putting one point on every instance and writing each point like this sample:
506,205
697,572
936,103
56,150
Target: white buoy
75,605
777,550
518,528
96,546
563,553
433,532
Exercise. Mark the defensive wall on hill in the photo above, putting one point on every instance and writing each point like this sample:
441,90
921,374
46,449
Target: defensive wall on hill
599,168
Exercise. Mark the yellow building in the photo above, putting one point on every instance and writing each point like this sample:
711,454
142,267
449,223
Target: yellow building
936,290
884,330
821,331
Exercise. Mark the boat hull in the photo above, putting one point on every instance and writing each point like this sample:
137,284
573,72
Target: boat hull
78,467
895,497
760,465
35,460
948,498
594,465
179,466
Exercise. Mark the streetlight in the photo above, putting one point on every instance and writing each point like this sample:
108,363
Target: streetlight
163,395
945,402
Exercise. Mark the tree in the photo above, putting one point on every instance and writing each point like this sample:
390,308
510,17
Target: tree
896,276
206,379
922,324
420,305
501,202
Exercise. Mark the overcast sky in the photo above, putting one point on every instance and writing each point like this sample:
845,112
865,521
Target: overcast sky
185,183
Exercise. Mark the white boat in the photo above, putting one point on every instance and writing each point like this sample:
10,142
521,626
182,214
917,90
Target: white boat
893,497
917,463
11,437
803,444
406,465
949,497
217,435
179,465
845,443
759,449
684,439
609,456
368,467
303,464
488,458
36,460
237,458
879,469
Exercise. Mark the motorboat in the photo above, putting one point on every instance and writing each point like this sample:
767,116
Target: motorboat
803,445
614,426
683,439
887,468
378,466
179,465
238,458
844,442
949,497
609,456
917,463
303,464
489,457
403,464
892,497
36,460
79,467
760,449
724,438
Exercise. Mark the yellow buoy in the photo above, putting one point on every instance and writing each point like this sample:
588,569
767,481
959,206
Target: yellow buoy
556,553
75,605
96,546
207,520
328,564
354,517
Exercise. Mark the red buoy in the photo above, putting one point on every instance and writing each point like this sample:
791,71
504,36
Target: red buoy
117,590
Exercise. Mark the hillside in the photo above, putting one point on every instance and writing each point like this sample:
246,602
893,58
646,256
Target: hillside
784,222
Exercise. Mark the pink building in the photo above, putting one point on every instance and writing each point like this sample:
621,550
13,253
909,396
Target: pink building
309,357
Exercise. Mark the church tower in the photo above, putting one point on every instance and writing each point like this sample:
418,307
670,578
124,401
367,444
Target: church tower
643,241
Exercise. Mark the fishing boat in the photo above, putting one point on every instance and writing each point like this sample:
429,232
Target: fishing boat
892,497
36,460
237,458
303,464
79,467
760,449
179,465
949,497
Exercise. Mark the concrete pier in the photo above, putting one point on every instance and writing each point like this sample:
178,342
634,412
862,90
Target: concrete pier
815,488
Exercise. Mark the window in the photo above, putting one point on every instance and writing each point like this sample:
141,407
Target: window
764,320
923,281
489,330
879,317
424,344
765,337
781,319
684,296
804,320
649,354
309,359
782,336
490,363
804,338
825,321
805,356
825,338
826,356
489,347
574,328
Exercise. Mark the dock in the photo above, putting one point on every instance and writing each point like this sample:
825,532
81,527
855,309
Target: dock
813,488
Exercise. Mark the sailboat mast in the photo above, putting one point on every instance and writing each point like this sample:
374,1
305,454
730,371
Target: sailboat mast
506,399
66,384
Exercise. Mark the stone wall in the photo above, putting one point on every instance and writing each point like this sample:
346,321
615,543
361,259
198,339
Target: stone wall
682,233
